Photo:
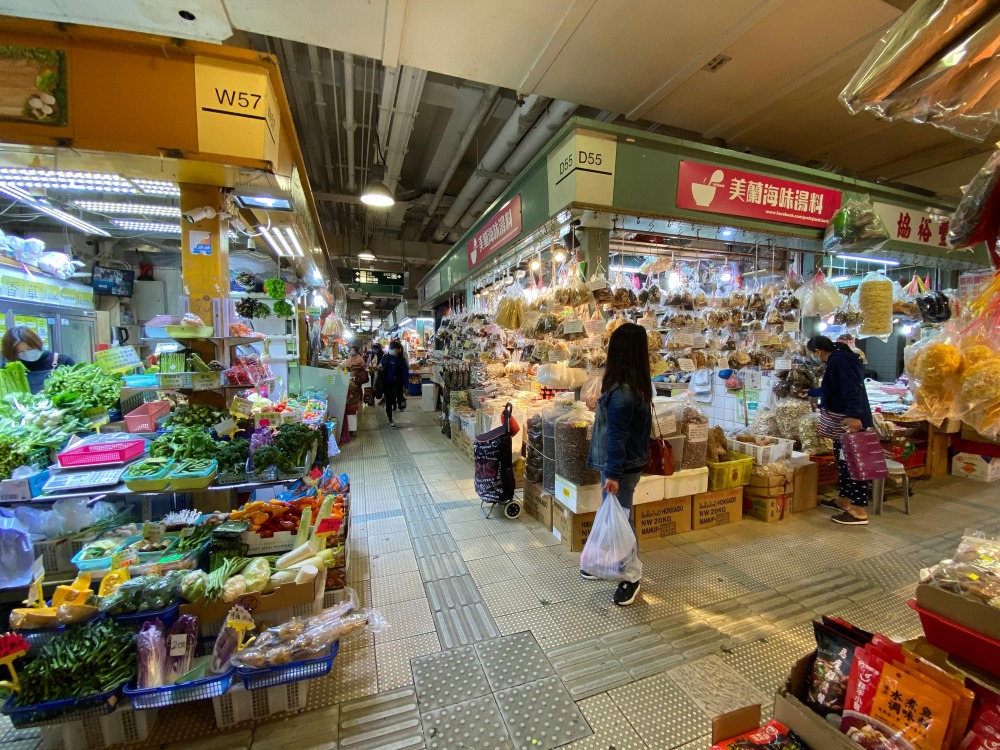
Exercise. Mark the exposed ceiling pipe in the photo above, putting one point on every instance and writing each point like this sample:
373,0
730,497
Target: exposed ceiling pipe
553,119
315,69
507,139
386,104
411,89
469,132
350,125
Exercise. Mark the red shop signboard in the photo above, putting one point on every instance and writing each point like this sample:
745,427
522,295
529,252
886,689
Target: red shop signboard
502,227
721,190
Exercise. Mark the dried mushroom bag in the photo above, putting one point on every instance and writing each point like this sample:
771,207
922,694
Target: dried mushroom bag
812,442
694,428
573,433
874,300
788,412
916,37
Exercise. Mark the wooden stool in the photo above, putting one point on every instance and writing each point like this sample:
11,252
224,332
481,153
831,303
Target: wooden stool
896,470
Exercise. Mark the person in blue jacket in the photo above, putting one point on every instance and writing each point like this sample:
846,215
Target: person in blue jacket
843,397
395,374
619,446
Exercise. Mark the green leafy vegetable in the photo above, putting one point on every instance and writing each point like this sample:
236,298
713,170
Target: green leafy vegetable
292,443
89,382
184,443
284,309
232,456
274,288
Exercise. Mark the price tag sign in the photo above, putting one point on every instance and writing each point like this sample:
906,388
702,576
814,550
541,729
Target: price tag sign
241,407
153,532
698,341
572,326
328,525
241,621
557,355
594,342
682,339
594,327
790,326
178,644
658,368
782,364
123,558
686,365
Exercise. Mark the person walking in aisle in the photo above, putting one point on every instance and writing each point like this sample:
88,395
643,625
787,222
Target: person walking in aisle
394,374
619,448
844,408
375,362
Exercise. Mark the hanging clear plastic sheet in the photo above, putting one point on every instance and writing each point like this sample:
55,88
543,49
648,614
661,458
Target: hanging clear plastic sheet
977,218
856,226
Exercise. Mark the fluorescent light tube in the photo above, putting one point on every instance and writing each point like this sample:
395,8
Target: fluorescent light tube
21,195
864,259
295,241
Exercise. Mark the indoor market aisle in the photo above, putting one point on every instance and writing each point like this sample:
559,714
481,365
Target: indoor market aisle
494,640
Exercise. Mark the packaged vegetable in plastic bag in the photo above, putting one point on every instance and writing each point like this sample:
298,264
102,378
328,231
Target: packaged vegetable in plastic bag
256,574
180,643
818,296
225,647
193,585
854,227
611,552
916,37
151,655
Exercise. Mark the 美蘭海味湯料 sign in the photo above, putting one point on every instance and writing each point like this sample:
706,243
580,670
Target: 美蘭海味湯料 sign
501,228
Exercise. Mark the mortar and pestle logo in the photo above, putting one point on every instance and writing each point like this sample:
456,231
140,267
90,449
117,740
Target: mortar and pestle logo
704,194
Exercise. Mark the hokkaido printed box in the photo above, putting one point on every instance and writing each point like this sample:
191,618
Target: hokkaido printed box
656,522
716,508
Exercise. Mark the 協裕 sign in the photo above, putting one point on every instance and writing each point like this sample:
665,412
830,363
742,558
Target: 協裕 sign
913,226
501,228
721,190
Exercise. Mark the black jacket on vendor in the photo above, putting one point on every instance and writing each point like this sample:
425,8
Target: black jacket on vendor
843,387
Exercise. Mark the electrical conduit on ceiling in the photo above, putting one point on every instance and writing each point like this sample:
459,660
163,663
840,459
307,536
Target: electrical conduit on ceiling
506,141
475,122
554,118
350,125
411,88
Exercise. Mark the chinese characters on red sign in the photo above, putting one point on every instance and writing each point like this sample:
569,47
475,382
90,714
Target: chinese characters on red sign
502,227
704,187
912,226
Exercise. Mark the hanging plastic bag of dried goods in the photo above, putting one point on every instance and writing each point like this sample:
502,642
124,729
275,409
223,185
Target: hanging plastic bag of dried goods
979,377
694,428
510,311
339,298
854,227
977,218
611,552
873,298
817,296
933,367
573,432
916,38
591,390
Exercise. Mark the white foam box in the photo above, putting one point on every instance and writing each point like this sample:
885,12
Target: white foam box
649,489
971,466
578,498
686,482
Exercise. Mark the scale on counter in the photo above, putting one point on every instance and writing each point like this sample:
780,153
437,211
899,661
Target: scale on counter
68,481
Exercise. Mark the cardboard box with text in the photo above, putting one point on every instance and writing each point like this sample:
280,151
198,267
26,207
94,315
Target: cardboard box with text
717,508
656,522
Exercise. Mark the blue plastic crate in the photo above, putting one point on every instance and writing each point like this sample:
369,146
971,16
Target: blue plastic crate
167,616
58,712
257,679
169,695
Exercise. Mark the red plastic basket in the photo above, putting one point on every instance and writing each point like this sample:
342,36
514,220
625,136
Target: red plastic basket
958,640
144,418
103,453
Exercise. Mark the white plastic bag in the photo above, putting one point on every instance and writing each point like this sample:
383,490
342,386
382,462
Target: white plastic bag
611,551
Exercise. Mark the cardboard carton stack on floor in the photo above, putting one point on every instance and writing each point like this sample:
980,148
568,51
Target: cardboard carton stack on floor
768,496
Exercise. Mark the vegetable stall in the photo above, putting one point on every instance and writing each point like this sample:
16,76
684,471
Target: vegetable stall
171,530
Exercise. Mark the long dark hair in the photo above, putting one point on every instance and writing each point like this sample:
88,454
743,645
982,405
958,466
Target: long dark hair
628,361
823,344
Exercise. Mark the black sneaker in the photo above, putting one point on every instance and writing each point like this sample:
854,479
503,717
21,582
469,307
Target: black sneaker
849,519
830,504
626,593
392,424
588,576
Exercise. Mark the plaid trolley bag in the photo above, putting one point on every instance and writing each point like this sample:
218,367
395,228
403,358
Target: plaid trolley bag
495,468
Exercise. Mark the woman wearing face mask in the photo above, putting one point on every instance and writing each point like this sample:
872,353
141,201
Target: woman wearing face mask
23,345
844,408
395,374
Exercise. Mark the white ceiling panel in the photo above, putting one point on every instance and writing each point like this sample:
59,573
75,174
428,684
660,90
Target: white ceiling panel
766,59
482,40
354,26
209,24
624,50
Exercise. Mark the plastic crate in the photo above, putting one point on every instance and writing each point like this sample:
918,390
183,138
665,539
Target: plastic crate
181,480
246,477
731,473
144,418
57,554
167,616
239,704
958,640
258,679
96,563
124,726
57,712
764,454
917,458
112,449
144,699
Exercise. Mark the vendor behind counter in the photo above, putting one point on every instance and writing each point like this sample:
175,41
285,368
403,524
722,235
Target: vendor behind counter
21,344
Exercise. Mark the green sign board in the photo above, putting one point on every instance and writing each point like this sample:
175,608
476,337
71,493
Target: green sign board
369,277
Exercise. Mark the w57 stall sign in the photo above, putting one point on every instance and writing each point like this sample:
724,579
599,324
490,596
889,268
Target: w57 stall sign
721,190
501,228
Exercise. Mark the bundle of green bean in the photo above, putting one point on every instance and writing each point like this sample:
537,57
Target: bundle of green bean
85,660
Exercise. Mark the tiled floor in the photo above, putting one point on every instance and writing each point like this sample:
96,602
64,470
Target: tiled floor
493,640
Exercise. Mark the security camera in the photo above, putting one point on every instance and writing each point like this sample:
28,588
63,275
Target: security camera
199,214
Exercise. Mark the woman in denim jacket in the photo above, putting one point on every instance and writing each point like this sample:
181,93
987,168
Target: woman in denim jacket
619,447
